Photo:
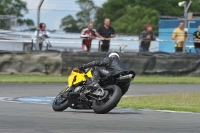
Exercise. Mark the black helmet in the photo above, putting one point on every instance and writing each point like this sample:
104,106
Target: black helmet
113,54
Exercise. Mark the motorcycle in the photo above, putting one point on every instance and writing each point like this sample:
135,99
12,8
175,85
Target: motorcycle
79,94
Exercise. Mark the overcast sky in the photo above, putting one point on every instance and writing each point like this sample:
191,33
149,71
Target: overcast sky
52,11
59,4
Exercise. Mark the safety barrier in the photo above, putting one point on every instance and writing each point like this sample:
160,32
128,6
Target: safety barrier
74,45
61,63
67,45
142,63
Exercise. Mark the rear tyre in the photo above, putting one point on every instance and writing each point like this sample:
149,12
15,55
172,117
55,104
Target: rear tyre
60,103
104,106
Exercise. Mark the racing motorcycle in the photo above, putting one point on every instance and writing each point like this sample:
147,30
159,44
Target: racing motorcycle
79,94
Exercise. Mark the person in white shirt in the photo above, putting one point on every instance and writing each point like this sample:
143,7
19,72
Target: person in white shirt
43,33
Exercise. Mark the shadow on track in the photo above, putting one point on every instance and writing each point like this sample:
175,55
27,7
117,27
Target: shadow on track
113,112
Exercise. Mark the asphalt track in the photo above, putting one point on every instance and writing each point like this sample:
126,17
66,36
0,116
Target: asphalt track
40,118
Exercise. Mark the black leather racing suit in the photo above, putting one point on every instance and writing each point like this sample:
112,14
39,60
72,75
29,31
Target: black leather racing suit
109,66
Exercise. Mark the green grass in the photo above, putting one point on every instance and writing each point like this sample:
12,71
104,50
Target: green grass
32,79
153,79
176,102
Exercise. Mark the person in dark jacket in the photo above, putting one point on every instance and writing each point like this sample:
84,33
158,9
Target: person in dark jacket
105,32
196,36
111,65
146,37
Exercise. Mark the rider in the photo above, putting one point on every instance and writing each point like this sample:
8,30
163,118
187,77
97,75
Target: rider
111,65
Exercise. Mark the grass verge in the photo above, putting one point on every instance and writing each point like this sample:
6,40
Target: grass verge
156,79
189,102
32,79
153,79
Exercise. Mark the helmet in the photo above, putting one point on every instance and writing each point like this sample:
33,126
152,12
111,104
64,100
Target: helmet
113,54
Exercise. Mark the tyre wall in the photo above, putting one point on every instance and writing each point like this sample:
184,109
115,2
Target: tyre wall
142,63
56,63
30,63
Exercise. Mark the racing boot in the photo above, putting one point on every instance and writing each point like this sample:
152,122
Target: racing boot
99,91
93,82
96,88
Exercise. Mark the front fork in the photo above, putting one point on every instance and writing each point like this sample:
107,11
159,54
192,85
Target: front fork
67,90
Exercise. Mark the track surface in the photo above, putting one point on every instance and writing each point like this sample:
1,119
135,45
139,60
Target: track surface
38,118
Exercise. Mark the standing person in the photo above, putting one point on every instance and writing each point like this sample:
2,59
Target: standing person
43,33
105,32
88,34
146,37
178,36
196,37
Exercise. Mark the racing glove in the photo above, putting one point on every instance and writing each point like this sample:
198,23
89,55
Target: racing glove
81,68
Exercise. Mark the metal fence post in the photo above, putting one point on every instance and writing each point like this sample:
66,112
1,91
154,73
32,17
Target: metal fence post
38,22
186,7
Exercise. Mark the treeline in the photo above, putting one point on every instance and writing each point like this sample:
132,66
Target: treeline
16,8
127,16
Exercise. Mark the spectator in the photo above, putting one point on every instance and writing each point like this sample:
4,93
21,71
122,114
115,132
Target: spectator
88,34
43,33
178,36
105,32
146,37
196,36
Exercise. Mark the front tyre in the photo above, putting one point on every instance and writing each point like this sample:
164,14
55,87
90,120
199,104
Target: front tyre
104,106
60,103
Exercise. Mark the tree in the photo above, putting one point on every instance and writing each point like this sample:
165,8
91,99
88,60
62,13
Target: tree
130,16
86,15
68,23
135,20
168,7
16,8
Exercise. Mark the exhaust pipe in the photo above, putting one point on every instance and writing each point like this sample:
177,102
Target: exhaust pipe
126,77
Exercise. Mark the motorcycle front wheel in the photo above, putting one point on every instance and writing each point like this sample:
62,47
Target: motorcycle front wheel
60,103
110,102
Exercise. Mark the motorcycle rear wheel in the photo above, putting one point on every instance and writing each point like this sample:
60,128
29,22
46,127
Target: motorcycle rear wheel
57,104
102,107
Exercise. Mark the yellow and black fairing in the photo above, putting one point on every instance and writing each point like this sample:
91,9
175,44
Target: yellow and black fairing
77,77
